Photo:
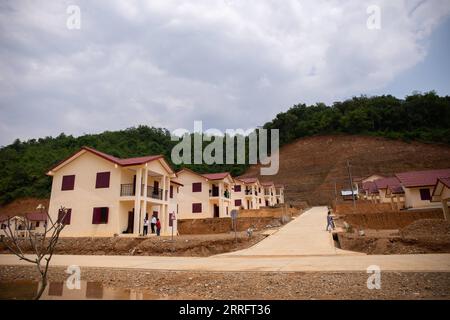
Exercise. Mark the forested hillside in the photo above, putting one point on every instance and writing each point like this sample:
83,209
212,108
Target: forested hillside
422,117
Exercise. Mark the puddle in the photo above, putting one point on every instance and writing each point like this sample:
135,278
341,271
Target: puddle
24,290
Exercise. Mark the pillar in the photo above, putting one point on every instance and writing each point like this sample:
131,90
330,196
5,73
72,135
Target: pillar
446,209
137,202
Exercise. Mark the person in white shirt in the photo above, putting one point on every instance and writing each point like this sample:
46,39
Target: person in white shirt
153,223
145,226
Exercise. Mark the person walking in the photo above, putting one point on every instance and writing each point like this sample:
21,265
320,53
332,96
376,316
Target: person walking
153,223
158,227
145,226
330,222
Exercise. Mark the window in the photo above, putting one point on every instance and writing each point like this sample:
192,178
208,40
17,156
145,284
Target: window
425,194
68,182
100,215
237,203
66,220
3,226
197,187
259,200
171,192
102,180
196,208
237,188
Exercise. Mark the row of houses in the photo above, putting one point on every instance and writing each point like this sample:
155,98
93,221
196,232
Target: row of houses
106,196
409,190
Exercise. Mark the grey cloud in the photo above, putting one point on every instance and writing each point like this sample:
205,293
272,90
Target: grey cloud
232,64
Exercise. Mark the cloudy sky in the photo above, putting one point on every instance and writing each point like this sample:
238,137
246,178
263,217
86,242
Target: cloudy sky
229,63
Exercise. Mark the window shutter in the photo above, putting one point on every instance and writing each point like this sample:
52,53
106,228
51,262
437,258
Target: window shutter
96,216
66,220
197,187
425,194
68,183
171,192
102,180
196,208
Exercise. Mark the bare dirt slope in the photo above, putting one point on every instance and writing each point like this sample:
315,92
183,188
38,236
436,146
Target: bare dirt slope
310,166
22,206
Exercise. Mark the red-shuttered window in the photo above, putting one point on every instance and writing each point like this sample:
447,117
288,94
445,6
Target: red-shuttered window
196,208
238,203
68,183
237,188
102,180
64,219
197,187
171,192
100,215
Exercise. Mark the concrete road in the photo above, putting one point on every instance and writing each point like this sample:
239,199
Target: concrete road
304,236
302,245
418,263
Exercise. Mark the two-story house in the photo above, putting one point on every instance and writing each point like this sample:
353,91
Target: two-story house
279,194
204,195
107,196
269,194
246,193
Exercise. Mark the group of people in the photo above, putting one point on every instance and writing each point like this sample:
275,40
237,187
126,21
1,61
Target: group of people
155,225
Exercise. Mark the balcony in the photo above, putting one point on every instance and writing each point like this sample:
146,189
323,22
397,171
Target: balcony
129,190
155,193
215,193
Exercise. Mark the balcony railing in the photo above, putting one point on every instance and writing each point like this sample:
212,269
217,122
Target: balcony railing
129,190
155,193
215,193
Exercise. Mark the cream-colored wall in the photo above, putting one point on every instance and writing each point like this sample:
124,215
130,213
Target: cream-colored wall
445,193
382,195
85,197
187,197
412,198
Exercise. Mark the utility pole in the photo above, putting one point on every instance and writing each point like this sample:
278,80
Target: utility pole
351,182
335,191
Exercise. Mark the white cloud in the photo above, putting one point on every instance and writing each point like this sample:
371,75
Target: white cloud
230,63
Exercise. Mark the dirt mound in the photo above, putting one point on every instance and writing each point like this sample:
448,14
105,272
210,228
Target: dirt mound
427,228
198,245
309,167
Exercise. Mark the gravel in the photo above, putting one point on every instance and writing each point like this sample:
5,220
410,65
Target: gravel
254,285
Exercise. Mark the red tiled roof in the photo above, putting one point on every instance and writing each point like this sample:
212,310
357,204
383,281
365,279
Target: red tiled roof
121,162
370,186
124,162
422,178
267,184
279,186
384,183
3,218
37,216
445,181
248,180
216,176
396,189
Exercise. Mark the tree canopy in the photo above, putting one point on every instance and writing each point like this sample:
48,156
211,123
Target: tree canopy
423,117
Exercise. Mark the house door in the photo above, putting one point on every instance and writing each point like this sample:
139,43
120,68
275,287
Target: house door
248,204
267,203
216,211
130,227
155,214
